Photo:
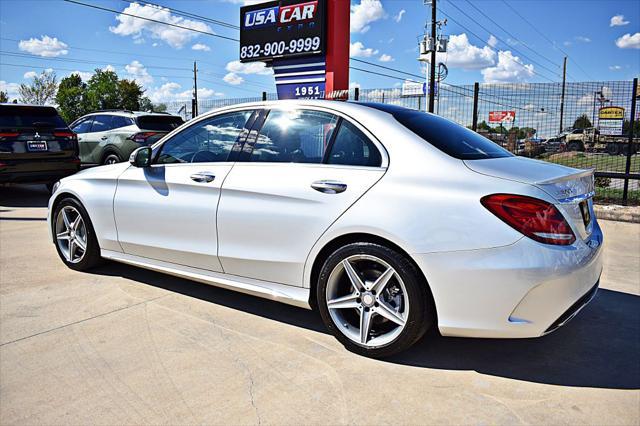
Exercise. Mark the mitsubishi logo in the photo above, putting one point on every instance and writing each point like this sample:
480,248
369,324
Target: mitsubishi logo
37,135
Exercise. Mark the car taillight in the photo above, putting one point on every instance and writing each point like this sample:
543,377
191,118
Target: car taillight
4,135
537,219
65,134
142,136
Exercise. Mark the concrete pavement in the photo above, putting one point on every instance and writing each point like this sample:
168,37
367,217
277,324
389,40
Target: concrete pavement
122,345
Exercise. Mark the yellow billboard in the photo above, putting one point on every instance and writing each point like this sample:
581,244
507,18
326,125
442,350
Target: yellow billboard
611,113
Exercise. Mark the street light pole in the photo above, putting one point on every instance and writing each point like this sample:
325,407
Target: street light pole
432,76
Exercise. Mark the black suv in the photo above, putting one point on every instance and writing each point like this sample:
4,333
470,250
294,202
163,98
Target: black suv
36,145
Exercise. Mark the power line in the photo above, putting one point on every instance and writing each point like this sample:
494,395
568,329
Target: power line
106,9
511,35
189,14
546,38
82,61
386,68
511,47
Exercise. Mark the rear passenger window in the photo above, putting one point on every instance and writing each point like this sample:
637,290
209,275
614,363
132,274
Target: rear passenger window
82,126
294,136
101,123
118,121
351,147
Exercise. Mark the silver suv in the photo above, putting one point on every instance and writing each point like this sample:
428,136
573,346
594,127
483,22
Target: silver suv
108,137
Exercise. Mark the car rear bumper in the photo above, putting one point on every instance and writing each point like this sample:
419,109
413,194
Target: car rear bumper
526,289
43,171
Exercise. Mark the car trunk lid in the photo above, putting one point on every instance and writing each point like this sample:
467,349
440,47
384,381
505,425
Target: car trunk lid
573,189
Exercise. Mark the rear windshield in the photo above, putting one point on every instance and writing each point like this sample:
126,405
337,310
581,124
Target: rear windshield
29,116
163,123
449,137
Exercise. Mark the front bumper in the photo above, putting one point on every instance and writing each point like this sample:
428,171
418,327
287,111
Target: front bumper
526,289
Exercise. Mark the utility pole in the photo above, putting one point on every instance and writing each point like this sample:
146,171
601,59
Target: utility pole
432,76
194,106
564,82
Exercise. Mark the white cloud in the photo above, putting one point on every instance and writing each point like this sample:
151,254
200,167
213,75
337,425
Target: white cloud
173,92
46,46
357,50
398,17
508,69
363,14
11,89
354,85
29,75
582,39
233,79
136,71
617,21
629,41
109,68
85,76
201,46
462,54
615,67
139,40
249,68
385,58
493,41
174,37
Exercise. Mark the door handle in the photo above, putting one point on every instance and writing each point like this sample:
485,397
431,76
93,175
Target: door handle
203,177
329,186
104,138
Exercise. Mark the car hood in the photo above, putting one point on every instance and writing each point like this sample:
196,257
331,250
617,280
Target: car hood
561,182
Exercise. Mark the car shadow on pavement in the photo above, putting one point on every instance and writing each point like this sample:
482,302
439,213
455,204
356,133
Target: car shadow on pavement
24,196
599,348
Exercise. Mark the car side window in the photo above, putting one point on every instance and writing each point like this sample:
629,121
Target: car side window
118,121
352,147
294,136
209,140
101,123
82,126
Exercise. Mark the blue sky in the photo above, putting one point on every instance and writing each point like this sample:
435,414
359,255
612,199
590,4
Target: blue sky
602,39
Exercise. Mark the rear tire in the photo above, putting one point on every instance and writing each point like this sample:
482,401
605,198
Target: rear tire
74,237
613,149
111,158
393,315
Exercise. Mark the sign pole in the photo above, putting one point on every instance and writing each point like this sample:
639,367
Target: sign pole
432,76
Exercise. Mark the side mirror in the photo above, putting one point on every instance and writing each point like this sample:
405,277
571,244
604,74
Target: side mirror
141,157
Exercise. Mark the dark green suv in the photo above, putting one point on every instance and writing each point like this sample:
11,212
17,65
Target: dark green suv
108,137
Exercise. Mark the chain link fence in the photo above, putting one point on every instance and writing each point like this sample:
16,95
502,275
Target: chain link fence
535,120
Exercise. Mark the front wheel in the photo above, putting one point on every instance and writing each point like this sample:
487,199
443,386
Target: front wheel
111,158
372,300
73,233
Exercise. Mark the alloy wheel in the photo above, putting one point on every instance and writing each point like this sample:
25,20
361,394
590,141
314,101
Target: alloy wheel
367,300
71,234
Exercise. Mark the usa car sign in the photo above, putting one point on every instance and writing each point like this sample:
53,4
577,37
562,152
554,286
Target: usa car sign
282,29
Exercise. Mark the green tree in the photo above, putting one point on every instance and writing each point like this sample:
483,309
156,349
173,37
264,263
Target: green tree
626,125
147,105
3,97
71,98
41,90
102,91
582,122
130,94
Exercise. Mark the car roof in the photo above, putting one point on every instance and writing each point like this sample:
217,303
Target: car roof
125,113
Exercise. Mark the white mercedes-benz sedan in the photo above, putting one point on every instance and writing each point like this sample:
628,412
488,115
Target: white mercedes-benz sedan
387,220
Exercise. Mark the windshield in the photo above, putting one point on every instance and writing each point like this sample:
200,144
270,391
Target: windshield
449,137
29,116
162,123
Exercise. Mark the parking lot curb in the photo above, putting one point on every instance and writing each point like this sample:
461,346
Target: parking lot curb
618,213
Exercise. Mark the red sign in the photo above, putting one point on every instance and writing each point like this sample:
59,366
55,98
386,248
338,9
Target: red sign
502,116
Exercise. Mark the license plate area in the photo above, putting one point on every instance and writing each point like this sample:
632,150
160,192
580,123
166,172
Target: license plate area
37,146
586,214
